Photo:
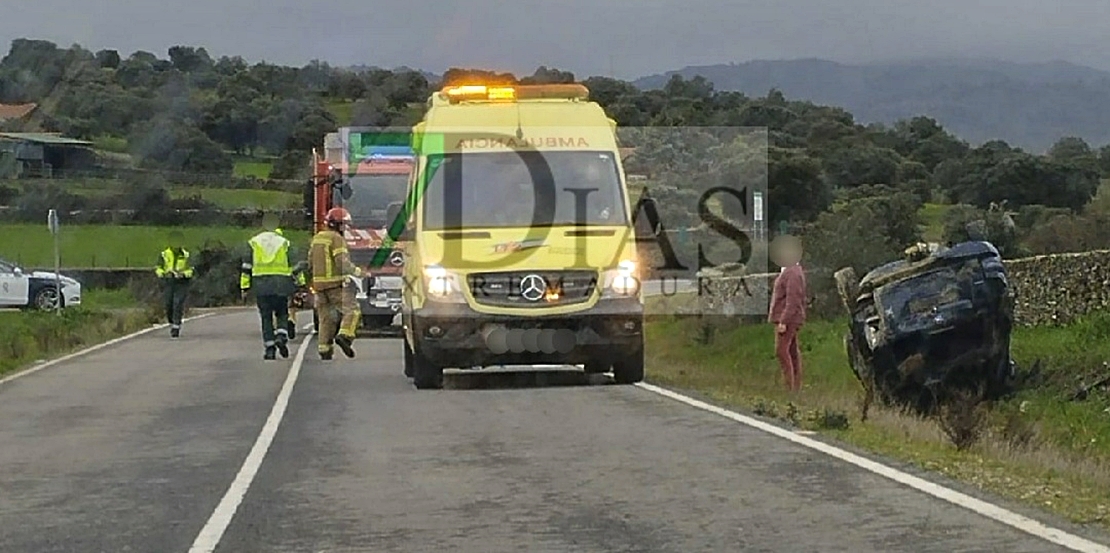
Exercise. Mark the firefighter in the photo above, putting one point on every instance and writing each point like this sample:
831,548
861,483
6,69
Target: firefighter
331,272
269,273
176,272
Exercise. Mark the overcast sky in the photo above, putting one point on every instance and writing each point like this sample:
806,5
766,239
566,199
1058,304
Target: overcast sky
622,38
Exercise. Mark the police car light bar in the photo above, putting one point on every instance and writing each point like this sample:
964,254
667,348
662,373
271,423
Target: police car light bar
573,91
388,152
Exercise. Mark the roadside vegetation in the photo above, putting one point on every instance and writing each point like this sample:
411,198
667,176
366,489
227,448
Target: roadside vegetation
106,246
28,337
1040,446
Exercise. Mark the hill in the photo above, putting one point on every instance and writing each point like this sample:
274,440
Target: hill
1027,105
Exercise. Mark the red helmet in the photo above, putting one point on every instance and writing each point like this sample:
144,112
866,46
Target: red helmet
337,216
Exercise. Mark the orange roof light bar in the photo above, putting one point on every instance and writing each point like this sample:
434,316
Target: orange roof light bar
572,91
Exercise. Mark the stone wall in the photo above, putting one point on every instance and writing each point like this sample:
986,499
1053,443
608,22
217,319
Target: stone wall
1056,289
1050,289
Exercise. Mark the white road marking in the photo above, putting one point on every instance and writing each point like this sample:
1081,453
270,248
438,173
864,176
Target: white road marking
52,362
1010,518
217,524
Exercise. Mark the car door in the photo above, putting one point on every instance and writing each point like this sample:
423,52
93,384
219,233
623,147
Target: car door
14,286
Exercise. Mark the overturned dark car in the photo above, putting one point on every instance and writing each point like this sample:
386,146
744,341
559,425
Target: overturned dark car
935,323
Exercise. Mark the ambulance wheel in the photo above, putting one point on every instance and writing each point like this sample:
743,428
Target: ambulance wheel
425,374
629,368
408,357
315,322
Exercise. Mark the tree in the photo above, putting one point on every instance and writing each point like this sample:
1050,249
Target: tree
1104,160
796,189
847,167
108,59
188,59
177,145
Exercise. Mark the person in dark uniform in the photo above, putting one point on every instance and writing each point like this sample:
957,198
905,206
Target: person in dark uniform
176,272
267,271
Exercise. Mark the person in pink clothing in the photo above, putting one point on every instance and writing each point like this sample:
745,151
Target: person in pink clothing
788,307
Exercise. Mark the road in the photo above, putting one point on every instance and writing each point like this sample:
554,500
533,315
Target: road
132,448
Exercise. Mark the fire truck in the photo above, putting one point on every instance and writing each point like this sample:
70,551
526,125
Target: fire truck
370,179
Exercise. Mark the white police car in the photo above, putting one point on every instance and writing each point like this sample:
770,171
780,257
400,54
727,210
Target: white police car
37,290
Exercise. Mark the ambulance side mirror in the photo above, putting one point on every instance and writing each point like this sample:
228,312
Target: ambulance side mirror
391,213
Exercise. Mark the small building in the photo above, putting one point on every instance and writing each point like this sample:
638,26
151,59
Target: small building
16,112
42,155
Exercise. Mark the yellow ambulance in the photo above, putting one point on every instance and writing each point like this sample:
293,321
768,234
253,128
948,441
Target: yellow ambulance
522,248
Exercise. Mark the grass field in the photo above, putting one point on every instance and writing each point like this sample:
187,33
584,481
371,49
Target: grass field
112,144
224,198
341,110
238,198
111,246
253,167
932,220
1037,447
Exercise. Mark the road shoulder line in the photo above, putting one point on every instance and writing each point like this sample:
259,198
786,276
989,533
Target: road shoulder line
989,510
213,530
50,363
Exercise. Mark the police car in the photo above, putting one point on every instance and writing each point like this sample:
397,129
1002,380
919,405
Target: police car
37,289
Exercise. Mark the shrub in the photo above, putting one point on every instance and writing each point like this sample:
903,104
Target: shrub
963,419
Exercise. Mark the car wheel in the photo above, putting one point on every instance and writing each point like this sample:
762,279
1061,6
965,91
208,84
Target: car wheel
46,299
629,369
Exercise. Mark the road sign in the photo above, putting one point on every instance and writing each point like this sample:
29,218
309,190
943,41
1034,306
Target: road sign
52,221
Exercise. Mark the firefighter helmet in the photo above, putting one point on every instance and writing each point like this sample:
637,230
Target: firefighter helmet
337,216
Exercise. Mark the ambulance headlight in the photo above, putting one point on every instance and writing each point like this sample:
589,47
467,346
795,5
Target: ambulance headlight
440,283
623,281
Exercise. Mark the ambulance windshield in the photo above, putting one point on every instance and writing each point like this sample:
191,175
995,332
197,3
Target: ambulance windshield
503,189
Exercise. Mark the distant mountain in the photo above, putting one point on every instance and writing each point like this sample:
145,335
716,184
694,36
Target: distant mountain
1028,105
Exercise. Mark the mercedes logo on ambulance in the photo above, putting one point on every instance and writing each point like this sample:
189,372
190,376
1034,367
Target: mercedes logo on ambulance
396,258
533,287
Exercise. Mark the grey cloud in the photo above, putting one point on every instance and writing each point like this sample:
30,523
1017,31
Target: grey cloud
629,38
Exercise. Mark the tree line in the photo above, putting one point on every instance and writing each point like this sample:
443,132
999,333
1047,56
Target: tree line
824,171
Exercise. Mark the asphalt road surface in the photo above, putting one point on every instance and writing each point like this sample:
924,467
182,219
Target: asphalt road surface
133,448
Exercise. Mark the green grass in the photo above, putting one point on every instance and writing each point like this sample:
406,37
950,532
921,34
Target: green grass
233,198
253,167
1064,466
26,337
932,219
224,198
112,144
111,246
342,111
108,299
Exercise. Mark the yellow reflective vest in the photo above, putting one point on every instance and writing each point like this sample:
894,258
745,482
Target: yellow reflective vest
170,261
269,257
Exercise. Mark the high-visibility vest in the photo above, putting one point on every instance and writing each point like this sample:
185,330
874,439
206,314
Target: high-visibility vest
170,261
301,280
269,257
